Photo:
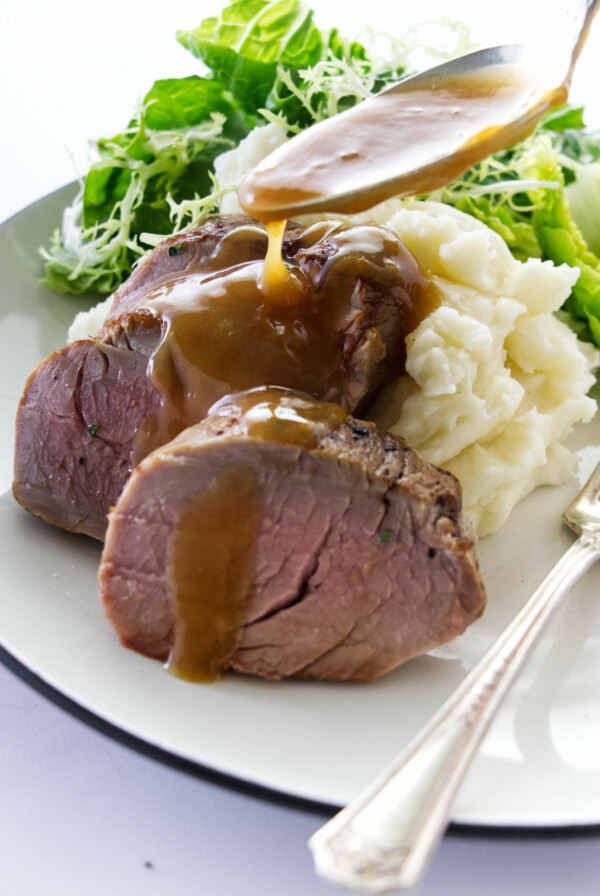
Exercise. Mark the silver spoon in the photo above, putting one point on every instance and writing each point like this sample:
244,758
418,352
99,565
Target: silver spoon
385,838
421,133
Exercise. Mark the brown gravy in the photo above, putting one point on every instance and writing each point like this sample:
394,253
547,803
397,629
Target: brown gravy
273,414
222,333
437,130
212,563
212,552
278,281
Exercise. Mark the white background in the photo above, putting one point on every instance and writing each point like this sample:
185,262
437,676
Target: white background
79,814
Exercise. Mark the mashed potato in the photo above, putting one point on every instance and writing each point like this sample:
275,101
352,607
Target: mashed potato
88,323
494,381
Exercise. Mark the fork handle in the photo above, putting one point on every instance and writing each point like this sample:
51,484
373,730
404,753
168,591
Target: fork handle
384,839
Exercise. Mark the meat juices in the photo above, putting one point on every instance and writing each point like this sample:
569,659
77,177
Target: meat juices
280,537
192,325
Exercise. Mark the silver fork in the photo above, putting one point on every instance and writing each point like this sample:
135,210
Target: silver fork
385,838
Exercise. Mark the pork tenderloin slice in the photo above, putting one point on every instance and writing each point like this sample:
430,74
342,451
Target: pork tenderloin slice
187,253
360,559
76,430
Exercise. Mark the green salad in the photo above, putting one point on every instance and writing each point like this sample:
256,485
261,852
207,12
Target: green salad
266,60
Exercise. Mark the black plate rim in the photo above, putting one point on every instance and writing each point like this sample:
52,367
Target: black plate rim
247,787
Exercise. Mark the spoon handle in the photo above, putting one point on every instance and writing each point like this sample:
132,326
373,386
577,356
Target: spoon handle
384,839
574,28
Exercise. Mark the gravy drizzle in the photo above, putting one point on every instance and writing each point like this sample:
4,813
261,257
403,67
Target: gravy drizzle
278,281
213,546
212,562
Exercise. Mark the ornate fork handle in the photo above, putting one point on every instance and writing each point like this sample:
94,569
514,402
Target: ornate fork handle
384,839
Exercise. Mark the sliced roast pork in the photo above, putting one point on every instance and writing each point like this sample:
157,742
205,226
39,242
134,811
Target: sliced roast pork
283,537
192,324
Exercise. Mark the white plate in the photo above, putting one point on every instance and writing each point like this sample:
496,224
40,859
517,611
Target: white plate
540,764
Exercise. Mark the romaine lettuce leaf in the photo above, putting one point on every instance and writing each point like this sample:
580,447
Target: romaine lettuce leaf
271,54
517,232
520,193
564,118
583,196
558,235
249,40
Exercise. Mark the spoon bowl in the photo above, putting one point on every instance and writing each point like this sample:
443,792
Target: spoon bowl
421,133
